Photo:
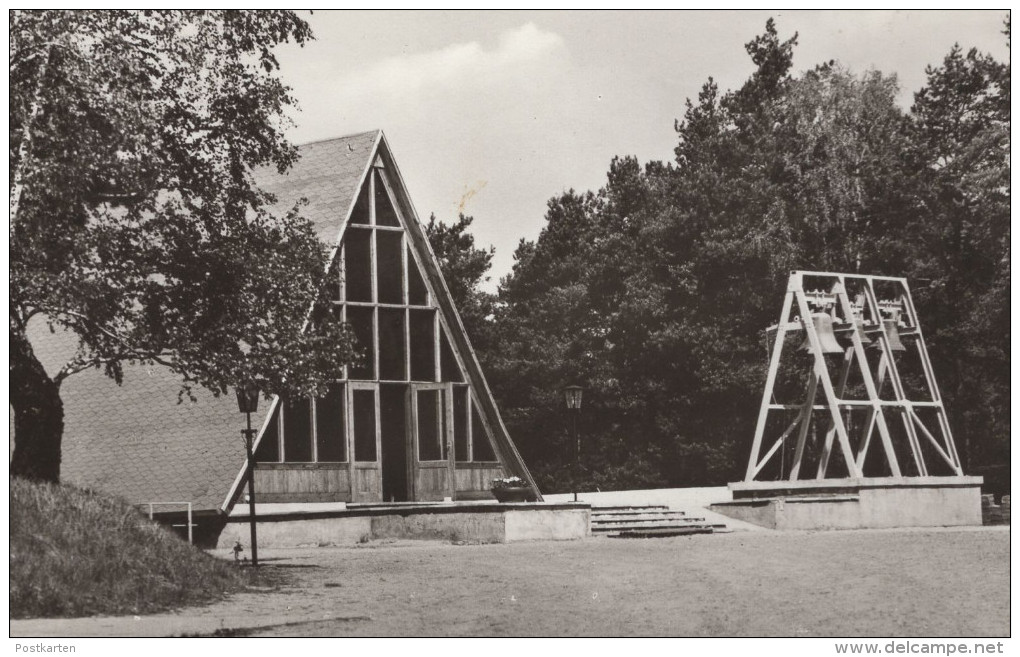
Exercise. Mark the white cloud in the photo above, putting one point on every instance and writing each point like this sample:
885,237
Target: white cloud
461,66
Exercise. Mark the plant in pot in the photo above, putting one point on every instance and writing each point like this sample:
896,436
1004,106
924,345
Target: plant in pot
512,489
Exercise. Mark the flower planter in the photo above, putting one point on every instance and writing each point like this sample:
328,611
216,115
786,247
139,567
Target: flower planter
514,494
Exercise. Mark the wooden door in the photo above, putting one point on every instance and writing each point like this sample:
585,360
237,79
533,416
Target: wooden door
365,442
431,433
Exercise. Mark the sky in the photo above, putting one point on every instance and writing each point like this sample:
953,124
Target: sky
492,113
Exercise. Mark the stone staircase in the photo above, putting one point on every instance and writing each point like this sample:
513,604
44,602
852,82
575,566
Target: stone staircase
647,521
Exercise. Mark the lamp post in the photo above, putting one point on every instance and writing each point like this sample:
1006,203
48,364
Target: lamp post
248,403
573,395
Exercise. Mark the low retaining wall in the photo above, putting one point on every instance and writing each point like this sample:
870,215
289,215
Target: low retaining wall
857,503
482,523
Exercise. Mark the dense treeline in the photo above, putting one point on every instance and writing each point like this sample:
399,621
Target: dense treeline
653,292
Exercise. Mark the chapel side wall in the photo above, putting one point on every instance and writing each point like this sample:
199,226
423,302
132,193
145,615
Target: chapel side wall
474,480
302,482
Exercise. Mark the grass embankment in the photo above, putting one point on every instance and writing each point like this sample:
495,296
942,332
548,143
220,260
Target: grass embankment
78,553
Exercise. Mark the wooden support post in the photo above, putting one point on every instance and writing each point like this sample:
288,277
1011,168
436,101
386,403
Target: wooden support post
830,430
776,445
873,412
929,375
869,384
897,384
822,370
770,380
805,422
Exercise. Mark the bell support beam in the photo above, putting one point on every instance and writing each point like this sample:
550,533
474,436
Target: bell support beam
818,312
770,380
830,430
869,385
872,413
822,370
897,384
929,376
776,445
805,422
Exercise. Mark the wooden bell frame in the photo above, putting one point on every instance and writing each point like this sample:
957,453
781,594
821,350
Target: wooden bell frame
879,412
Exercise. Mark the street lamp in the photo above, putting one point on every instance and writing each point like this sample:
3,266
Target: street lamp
572,395
248,403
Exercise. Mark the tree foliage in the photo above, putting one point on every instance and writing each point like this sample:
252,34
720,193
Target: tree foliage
465,268
654,291
136,223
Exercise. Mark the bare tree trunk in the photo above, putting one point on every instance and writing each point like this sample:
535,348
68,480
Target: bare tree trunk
38,414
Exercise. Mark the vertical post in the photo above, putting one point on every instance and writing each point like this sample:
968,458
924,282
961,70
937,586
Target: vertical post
150,510
577,450
792,286
190,541
251,490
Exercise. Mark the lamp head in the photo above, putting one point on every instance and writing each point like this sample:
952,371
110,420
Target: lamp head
573,395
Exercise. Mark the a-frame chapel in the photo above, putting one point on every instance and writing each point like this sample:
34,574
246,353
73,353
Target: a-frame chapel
414,421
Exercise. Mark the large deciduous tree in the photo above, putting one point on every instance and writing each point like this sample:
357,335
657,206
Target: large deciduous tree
135,222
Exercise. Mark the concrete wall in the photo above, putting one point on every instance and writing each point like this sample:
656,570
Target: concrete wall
878,505
481,527
555,525
298,533
921,507
495,525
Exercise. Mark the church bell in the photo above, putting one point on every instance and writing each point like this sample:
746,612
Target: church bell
826,336
892,330
845,337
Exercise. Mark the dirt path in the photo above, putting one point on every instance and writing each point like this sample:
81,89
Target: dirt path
852,583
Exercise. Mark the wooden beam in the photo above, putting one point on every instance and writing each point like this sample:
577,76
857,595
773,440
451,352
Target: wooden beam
770,380
869,383
894,380
775,446
830,394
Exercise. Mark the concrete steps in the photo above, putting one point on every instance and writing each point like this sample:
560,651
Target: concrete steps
647,521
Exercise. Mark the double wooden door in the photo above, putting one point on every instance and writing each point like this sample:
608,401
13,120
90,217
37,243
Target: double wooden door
429,453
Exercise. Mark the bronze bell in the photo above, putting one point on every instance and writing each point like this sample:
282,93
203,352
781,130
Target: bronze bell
845,337
826,337
892,330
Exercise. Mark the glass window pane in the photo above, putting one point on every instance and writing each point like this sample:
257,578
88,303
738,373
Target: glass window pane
460,430
360,320
297,431
268,450
482,448
358,274
364,425
390,276
417,293
329,425
384,214
423,345
429,430
391,345
333,280
451,370
360,213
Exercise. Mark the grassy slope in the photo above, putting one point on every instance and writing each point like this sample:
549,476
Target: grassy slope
78,553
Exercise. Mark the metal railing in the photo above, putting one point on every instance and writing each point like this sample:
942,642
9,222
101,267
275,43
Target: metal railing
190,524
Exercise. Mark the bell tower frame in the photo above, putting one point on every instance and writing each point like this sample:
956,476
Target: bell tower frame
865,319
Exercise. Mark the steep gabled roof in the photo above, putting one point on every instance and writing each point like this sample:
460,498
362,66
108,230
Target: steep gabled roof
329,175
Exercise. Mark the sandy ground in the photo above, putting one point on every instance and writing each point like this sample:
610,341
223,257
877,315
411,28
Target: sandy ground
942,582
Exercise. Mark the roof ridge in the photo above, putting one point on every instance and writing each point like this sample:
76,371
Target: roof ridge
340,138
